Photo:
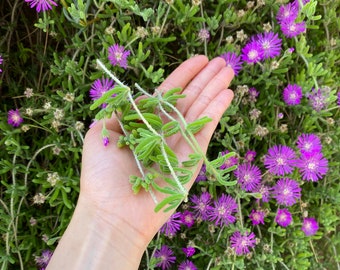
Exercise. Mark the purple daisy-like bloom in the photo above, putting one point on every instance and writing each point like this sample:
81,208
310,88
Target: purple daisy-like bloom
286,191
248,176
187,265
166,257
99,87
252,52
173,225
201,205
250,156
41,5
270,43
223,210
257,217
265,192
287,13
233,60
14,118
187,218
189,251
44,259
202,174
318,98
292,29
292,94
231,161
309,143
309,226
283,217
280,160
118,55
242,243
312,166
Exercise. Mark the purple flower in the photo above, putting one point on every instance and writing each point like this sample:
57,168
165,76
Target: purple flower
309,226
309,143
292,29
338,103
286,191
106,141
252,52
99,87
265,192
287,13
283,217
166,257
242,243
233,61
223,210
41,5
280,160
249,156
253,94
173,225
189,251
202,174
187,265
270,43
44,259
229,162
187,218
248,176
312,166
257,217
118,55
318,98
1,61
201,205
292,94
14,118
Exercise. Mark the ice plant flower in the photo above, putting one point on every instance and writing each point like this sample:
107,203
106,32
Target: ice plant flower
166,257
118,55
293,29
231,161
283,217
312,166
242,243
248,176
187,265
280,160
233,60
189,251
41,5
201,205
309,226
257,217
252,52
292,94
286,191
14,118
202,174
309,143
287,13
187,218
338,103
44,259
99,87
270,44
265,192
318,98
173,225
222,211
250,156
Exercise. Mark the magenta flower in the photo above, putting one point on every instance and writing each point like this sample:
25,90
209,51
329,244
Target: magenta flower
280,160
166,257
309,143
229,162
288,13
265,192
338,103
1,61
106,141
189,251
312,166
223,210
270,43
187,265
201,205
253,94
248,176
257,217
286,191
187,218
173,225
318,98
202,174
250,156
233,61
292,29
41,5
252,52
44,259
242,243
14,118
118,55
99,87
309,226
283,217
292,94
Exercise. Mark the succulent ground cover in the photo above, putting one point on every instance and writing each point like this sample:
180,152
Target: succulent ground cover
267,196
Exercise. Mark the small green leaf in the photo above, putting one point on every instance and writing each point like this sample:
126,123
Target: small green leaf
171,199
198,124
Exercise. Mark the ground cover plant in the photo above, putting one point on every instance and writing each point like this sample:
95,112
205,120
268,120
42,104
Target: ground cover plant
274,202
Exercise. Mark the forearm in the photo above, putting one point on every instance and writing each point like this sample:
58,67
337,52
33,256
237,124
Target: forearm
90,243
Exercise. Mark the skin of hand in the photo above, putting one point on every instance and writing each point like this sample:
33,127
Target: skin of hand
111,226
